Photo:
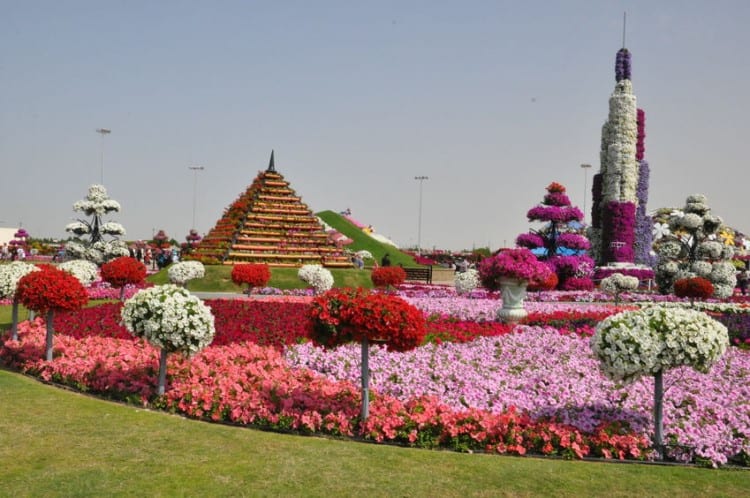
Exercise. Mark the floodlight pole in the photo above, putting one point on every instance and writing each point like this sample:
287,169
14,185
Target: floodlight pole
421,180
102,132
585,168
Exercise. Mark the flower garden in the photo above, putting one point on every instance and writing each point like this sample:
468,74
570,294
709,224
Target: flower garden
473,384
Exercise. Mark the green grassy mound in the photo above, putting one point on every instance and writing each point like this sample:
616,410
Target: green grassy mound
362,241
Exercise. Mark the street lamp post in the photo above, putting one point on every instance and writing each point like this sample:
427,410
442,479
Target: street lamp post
585,168
421,180
195,170
102,132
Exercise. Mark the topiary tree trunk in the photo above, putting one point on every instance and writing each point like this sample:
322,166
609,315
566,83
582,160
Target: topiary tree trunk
14,320
658,415
50,333
365,412
162,372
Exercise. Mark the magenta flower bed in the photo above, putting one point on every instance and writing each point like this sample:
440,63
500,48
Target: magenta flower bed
552,375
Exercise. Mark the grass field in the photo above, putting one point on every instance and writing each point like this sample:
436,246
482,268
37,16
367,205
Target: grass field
57,443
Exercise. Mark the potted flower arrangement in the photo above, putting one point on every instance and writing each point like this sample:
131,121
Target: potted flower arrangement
511,271
170,318
346,315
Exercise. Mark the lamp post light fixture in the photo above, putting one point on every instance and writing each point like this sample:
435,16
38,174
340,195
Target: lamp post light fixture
586,168
102,132
195,170
421,180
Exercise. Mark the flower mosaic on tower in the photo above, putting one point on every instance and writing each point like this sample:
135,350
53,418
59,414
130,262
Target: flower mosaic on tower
620,232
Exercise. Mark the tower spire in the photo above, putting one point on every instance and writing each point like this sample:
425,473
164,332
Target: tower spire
624,24
271,166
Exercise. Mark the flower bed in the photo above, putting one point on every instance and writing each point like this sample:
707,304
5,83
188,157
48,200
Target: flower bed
539,390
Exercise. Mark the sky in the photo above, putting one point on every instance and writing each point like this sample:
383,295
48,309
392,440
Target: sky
491,100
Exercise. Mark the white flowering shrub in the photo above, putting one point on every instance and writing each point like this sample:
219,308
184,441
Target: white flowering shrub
653,339
691,248
317,277
617,283
85,271
184,271
169,317
10,274
364,254
90,244
466,281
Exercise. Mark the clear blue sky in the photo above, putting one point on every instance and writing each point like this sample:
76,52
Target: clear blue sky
493,100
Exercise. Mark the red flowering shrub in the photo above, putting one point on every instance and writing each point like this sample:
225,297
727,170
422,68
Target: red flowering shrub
345,315
51,289
388,276
693,288
123,271
252,274
547,284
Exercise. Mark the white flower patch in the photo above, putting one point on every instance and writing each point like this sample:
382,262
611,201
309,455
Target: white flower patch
85,271
182,272
171,318
10,274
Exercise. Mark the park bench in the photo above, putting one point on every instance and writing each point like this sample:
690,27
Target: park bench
422,274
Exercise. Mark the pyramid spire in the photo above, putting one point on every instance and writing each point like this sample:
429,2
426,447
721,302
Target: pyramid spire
271,166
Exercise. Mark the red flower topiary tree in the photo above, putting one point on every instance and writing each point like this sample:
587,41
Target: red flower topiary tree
50,290
693,288
251,274
123,271
388,276
346,315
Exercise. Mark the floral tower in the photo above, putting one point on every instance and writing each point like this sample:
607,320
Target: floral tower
620,231
557,243
269,223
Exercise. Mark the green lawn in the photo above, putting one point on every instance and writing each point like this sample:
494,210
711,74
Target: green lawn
219,279
57,443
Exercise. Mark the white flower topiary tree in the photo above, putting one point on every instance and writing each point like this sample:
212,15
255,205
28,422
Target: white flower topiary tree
466,281
170,318
10,274
319,278
90,234
85,271
181,272
654,339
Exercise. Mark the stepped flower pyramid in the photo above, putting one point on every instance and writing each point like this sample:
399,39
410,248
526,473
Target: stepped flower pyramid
620,231
269,223
557,243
